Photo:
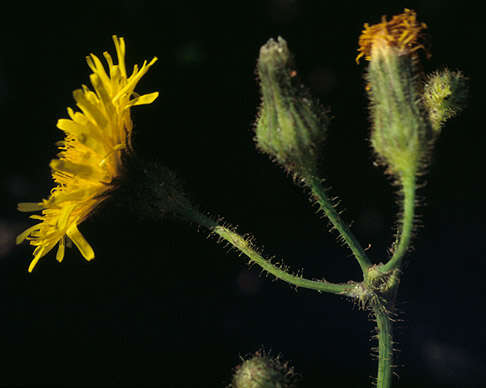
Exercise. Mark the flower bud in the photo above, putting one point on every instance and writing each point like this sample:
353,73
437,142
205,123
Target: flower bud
401,134
445,95
290,126
261,371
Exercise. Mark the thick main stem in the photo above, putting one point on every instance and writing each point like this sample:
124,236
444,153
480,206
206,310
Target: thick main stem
408,214
320,195
385,346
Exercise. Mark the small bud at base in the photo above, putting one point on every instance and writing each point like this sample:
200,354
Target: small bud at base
261,371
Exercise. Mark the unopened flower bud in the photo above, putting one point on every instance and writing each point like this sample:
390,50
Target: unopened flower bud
445,95
261,371
290,126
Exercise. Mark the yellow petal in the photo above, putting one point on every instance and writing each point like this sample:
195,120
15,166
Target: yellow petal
29,206
85,134
141,100
60,250
91,108
109,60
120,52
103,92
74,196
36,258
134,78
77,238
39,252
95,64
78,170
22,236
63,216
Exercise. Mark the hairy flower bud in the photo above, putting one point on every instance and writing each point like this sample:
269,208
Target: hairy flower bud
290,126
261,371
401,134
445,95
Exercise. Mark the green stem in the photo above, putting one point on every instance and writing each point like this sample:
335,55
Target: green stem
385,346
320,195
244,246
408,182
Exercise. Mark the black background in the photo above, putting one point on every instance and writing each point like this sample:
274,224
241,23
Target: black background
163,305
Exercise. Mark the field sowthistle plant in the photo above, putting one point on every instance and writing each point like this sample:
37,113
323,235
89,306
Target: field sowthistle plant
407,111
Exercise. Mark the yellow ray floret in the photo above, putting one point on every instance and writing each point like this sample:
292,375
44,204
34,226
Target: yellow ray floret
89,160
402,31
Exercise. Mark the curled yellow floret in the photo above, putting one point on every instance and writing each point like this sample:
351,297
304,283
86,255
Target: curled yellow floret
89,160
402,31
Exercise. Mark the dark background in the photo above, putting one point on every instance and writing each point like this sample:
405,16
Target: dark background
163,305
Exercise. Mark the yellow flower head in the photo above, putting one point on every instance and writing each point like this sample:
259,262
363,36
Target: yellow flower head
402,31
90,159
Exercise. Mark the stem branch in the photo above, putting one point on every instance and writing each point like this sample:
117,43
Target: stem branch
408,188
244,246
320,195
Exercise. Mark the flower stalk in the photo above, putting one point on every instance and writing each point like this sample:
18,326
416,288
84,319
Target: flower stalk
408,187
246,247
345,233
